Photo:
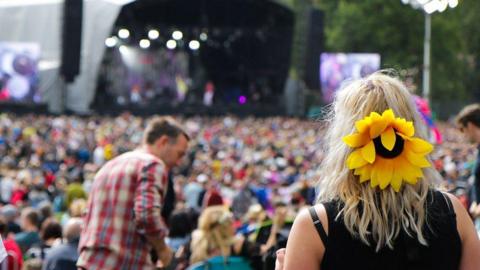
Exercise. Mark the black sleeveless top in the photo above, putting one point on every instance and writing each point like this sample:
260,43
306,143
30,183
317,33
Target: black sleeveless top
343,251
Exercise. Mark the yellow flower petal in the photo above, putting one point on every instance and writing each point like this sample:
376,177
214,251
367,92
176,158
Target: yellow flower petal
404,136
410,173
418,172
410,178
420,146
409,129
416,159
388,139
378,125
401,165
413,175
403,126
396,179
375,116
384,173
366,173
358,171
368,152
374,177
363,125
388,116
411,181
356,140
355,160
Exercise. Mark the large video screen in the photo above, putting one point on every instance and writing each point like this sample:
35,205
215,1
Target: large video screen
338,67
19,78
136,76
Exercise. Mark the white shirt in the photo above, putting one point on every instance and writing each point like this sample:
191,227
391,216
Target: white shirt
3,251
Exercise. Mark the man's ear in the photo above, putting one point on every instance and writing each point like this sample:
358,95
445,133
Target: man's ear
470,126
162,141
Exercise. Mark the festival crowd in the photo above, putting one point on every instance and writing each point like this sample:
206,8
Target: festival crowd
254,174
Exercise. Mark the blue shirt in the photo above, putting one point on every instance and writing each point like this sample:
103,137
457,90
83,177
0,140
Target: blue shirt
63,252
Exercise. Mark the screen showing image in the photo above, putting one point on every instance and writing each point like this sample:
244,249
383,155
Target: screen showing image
338,67
19,78
136,76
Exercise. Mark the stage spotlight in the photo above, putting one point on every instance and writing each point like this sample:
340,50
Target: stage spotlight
431,7
177,35
203,36
144,43
442,6
153,34
171,44
453,3
123,33
123,49
242,100
194,45
111,42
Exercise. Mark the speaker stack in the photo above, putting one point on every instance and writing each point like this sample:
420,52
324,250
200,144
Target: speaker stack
71,39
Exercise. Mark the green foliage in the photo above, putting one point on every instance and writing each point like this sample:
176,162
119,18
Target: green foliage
396,31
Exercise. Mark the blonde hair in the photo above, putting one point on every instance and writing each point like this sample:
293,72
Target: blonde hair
373,215
214,234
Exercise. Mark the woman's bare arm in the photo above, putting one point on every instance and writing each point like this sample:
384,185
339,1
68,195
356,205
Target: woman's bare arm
470,243
305,249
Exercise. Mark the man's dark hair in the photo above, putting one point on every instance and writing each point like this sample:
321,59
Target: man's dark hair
33,217
180,225
51,229
470,113
163,126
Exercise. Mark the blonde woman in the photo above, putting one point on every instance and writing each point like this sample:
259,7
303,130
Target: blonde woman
379,208
215,236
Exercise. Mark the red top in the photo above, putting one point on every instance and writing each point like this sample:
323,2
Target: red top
14,260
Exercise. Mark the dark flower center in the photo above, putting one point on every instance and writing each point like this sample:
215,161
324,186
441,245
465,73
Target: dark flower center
384,152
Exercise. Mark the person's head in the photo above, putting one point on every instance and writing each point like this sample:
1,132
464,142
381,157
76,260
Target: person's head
468,121
77,208
255,213
9,212
167,140
180,224
51,230
365,206
72,230
46,210
30,219
215,233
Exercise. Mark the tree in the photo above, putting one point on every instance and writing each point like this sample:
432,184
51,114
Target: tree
396,32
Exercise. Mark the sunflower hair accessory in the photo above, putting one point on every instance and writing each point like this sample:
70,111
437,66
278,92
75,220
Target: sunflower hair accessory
386,153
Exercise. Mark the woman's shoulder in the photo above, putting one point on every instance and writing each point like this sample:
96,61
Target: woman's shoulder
463,220
309,216
442,199
304,249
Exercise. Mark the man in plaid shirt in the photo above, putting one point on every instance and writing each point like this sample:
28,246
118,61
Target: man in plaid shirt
124,220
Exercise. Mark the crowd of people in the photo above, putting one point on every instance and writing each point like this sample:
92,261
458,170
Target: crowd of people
252,174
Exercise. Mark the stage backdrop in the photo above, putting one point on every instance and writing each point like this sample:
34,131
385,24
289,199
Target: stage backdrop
338,67
40,21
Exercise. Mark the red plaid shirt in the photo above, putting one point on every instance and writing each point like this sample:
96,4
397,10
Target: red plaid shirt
124,205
